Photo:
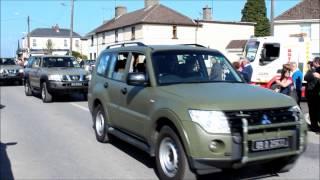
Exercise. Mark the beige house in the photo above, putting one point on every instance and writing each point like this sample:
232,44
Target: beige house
158,24
59,38
302,19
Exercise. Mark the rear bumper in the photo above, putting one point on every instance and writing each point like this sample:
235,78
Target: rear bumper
58,87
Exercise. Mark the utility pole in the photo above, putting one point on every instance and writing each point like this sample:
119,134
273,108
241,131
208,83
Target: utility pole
271,17
28,35
71,28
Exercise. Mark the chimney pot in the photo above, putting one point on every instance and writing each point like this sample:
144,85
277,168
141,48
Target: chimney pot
120,10
207,13
149,3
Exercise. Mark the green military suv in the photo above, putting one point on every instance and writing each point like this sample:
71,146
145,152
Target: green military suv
54,75
187,107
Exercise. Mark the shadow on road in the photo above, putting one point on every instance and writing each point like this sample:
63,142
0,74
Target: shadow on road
66,98
247,173
2,106
5,165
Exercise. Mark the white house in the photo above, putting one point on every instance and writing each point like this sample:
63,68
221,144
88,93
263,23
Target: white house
304,18
158,24
60,40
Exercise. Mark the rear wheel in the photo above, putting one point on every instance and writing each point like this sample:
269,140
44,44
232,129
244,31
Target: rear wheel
27,88
45,95
171,160
100,125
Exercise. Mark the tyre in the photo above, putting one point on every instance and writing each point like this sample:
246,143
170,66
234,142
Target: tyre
27,88
45,95
100,125
171,160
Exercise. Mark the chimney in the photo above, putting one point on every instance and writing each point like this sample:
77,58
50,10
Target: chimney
120,10
56,28
207,13
149,3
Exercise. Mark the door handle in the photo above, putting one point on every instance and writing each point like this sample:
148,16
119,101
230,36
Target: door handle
105,85
124,90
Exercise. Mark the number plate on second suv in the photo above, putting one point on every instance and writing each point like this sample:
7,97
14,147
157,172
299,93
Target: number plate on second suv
262,145
76,84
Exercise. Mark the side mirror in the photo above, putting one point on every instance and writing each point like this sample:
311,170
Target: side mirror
137,79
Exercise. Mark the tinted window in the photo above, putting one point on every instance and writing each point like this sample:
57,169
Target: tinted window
173,67
7,61
251,50
117,66
59,62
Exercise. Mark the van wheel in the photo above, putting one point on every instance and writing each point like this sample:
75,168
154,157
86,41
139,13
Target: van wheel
100,125
27,88
45,95
171,160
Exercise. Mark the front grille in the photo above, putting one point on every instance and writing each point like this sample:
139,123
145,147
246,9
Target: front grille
73,78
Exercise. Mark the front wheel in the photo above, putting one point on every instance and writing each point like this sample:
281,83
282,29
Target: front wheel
45,95
171,160
100,125
27,88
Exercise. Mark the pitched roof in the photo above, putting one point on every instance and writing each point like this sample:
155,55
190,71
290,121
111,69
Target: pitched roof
307,9
236,44
157,14
51,32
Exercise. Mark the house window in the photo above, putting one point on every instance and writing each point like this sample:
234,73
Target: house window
77,43
103,38
133,33
174,32
95,55
34,42
116,36
91,40
65,43
90,55
306,29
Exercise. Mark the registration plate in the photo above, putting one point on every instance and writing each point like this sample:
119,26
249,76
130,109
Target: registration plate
76,84
268,144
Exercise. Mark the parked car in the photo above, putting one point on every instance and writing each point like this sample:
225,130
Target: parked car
10,72
54,75
193,120
89,65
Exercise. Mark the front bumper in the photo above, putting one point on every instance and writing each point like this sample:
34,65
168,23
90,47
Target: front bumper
11,77
67,87
234,150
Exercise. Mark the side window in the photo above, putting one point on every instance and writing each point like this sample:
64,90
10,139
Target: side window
270,52
30,61
138,63
103,64
117,66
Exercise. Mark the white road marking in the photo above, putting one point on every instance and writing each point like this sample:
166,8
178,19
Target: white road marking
81,107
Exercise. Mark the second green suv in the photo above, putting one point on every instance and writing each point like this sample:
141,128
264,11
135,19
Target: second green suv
187,107
55,75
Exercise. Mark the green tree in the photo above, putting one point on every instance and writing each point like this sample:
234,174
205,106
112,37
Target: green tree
256,11
49,46
78,55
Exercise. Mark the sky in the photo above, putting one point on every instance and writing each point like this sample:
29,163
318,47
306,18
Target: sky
89,14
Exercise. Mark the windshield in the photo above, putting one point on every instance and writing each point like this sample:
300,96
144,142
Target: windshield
7,61
187,66
251,50
60,62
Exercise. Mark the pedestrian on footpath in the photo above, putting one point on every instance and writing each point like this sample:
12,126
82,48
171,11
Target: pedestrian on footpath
285,82
297,81
313,94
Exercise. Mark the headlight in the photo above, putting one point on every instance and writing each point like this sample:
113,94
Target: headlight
55,77
88,77
211,121
20,70
1,71
296,109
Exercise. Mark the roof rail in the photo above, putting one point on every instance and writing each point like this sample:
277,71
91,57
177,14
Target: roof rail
194,45
125,44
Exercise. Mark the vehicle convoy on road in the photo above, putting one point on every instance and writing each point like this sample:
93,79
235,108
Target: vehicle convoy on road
268,54
10,72
194,120
54,75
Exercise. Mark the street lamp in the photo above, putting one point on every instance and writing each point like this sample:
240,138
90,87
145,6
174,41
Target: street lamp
71,27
